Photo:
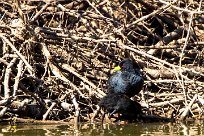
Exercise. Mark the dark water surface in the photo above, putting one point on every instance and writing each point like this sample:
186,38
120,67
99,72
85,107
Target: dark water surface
133,129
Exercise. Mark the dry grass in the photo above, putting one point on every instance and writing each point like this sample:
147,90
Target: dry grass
56,56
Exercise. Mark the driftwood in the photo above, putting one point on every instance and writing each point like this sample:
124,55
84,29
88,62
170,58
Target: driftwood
56,56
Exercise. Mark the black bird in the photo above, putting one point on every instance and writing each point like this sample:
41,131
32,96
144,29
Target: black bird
128,80
122,104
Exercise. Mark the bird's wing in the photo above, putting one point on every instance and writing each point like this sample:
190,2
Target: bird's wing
113,80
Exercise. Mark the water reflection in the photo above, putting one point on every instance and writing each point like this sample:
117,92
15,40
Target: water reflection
140,129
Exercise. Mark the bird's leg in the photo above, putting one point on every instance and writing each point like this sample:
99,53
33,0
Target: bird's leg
113,112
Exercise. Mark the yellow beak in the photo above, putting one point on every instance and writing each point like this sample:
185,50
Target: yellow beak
118,68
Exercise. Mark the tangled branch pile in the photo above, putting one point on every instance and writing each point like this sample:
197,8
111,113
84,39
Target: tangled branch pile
56,55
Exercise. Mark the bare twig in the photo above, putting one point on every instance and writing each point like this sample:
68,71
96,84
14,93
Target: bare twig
20,69
17,52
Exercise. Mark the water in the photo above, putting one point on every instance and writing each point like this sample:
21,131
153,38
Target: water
133,129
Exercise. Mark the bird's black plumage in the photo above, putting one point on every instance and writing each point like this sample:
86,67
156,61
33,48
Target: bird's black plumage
120,103
128,80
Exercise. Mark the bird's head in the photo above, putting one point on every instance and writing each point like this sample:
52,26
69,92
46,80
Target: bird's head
126,64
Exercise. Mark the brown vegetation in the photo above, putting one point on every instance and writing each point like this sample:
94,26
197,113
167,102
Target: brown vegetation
56,55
